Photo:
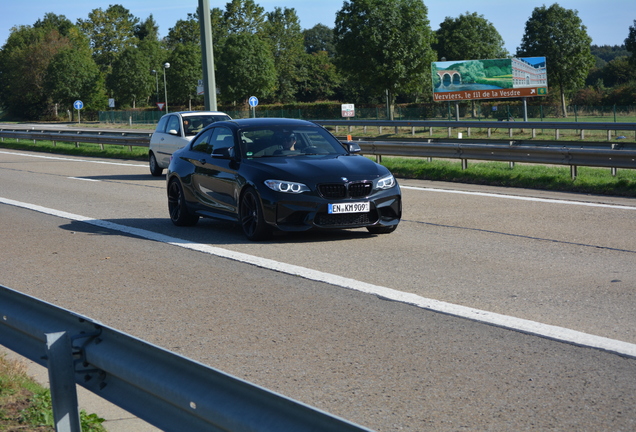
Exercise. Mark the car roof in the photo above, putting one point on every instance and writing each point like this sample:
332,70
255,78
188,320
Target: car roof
189,113
264,122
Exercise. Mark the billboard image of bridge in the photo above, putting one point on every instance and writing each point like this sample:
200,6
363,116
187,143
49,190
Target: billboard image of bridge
489,79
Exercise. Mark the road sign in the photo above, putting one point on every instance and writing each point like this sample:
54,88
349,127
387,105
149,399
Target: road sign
111,103
78,104
253,101
160,105
348,110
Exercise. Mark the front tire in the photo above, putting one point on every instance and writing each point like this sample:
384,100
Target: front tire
251,217
155,169
179,213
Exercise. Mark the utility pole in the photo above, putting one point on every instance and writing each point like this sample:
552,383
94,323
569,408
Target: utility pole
207,53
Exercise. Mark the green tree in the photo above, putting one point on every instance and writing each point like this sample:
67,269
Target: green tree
46,64
283,32
319,38
184,32
559,35
23,63
245,68
130,79
184,72
147,30
630,43
244,16
384,46
72,74
110,32
320,79
468,37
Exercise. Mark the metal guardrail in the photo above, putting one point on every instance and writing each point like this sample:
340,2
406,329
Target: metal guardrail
80,136
168,391
595,154
574,156
610,126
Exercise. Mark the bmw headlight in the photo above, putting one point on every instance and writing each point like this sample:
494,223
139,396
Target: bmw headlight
386,182
285,186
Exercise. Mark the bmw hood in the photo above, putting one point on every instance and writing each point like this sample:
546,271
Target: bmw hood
319,169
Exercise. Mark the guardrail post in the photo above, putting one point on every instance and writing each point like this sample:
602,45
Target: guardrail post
609,135
614,170
489,132
573,171
450,132
464,164
556,134
511,164
582,134
534,133
59,352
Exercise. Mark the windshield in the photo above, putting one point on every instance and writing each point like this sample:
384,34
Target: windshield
288,142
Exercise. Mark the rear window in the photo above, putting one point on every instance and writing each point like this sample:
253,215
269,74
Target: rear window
193,124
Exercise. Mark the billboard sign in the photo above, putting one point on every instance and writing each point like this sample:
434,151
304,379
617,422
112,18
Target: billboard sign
489,79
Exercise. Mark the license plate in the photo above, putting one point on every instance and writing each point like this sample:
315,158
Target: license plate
357,207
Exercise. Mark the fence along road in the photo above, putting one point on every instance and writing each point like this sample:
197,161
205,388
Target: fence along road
594,154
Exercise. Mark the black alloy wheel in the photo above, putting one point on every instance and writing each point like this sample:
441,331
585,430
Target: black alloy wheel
179,213
251,217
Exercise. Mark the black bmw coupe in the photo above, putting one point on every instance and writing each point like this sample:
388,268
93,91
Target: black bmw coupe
280,174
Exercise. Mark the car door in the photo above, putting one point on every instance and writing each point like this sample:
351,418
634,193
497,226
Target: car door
215,175
172,140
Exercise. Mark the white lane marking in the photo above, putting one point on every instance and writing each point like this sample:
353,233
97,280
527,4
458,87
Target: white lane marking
72,160
521,198
82,178
522,325
452,191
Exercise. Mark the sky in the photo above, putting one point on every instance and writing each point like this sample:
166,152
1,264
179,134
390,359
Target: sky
607,21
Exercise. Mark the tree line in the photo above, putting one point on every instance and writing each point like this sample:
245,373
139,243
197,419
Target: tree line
377,52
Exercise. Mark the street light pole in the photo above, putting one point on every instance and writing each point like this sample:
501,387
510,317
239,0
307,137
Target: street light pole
154,72
166,65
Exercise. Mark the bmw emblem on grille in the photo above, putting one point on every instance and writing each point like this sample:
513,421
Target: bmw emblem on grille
344,179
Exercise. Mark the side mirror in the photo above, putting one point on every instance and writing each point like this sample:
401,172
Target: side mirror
173,132
354,147
223,153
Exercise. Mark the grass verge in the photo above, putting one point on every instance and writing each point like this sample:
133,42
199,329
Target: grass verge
26,406
598,181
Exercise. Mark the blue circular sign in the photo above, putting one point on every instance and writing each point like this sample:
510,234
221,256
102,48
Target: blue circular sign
253,101
78,104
